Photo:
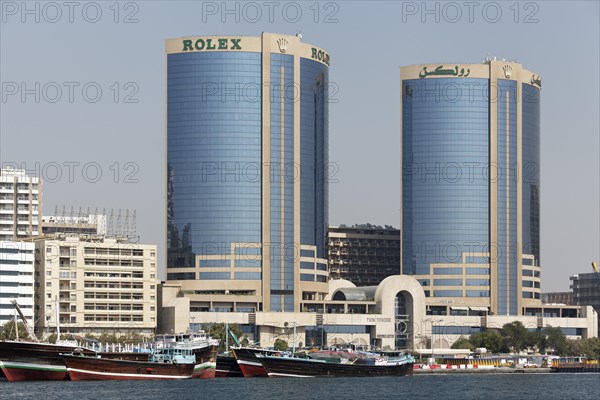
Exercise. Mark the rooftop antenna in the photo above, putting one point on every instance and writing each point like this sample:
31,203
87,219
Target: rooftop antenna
134,223
119,231
126,227
111,226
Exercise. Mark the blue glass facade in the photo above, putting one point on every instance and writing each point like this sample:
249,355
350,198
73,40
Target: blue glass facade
466,155
531,171
314,150
507,180
225,164
213,154
282,182
445,196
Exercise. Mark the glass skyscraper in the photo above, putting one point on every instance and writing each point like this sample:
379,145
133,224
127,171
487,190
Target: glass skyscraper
247,144
470,184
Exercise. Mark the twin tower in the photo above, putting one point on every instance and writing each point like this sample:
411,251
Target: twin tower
247,175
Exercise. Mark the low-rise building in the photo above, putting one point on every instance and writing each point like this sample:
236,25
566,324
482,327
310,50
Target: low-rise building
101,285
394,314
90,224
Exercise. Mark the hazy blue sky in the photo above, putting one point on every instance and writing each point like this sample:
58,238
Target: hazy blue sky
368,41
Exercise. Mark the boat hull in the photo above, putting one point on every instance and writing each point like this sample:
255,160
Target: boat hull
91,368
306,368
25,361
205,370
249,364
227,367
252,369
206,362
30,371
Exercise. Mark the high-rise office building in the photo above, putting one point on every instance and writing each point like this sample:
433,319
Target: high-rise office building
470,183
247,144
20,204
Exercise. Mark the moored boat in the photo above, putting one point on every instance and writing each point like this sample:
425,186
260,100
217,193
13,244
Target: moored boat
249,364
171,363
28,361
307,367
202,345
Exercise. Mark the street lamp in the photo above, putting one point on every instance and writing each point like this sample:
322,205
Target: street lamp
433,321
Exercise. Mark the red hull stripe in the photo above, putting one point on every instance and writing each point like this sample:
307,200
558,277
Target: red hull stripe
82,374
19,372
250,370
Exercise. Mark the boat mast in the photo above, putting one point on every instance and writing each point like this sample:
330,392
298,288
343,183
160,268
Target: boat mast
57,324
16,326
294,339
227,337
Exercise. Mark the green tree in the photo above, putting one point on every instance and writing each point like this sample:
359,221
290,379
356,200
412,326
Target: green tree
7,331
591,348
131,338
108,338
463,343
515,336
52,337
490,339
572,348
538,340
218,331
556,340
280,345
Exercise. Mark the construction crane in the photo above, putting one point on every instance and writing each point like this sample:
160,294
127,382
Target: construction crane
597,271
27,326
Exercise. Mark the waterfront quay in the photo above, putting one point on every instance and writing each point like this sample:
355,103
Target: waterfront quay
470,369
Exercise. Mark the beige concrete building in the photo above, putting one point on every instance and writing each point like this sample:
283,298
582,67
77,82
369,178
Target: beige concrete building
470,184
89,224
20,204
101,285
394,314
